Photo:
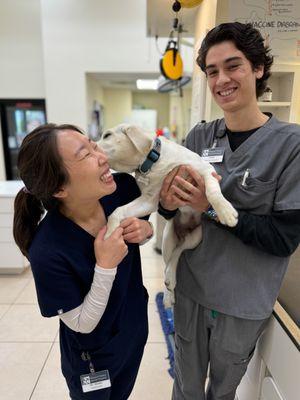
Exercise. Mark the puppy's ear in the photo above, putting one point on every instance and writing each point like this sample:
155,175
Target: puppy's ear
139,138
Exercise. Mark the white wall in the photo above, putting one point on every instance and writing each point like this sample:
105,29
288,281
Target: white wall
21,55
21,60
91,36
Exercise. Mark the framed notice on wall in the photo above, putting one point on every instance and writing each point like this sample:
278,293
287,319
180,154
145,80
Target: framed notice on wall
277,20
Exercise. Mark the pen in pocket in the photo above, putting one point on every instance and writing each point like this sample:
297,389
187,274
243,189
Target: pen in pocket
245,177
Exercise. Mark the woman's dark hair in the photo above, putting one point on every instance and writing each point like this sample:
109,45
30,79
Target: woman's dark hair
43,173
246,39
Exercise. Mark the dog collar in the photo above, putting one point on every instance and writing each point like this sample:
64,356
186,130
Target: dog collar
152,157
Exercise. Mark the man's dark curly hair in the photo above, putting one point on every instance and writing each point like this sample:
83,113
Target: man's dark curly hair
246,39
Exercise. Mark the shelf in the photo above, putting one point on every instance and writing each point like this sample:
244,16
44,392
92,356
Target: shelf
274,103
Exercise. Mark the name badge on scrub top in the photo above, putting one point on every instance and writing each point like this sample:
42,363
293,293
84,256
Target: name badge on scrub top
213,155
95,381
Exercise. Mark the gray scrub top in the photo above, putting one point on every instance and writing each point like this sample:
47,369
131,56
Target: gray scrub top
223,273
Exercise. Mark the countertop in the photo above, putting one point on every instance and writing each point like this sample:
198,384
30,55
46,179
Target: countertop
287,324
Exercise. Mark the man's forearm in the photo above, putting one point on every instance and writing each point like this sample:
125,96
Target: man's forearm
277,234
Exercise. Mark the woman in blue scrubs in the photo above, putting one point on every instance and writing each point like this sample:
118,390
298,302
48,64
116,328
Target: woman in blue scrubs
93,284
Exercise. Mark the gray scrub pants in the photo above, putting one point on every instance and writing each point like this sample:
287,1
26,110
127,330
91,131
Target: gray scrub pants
205,337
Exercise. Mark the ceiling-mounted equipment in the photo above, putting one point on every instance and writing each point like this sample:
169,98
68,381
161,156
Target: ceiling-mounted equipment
176,6
167,85
189,3
185,4
171,65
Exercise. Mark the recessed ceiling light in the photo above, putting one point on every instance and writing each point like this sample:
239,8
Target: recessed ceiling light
147,84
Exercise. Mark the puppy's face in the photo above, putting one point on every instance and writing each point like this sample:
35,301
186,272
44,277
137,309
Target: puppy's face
126,146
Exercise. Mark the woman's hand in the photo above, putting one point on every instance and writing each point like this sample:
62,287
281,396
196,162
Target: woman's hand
111,251
136,230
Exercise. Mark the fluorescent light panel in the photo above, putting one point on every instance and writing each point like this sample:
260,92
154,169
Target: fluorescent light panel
147,84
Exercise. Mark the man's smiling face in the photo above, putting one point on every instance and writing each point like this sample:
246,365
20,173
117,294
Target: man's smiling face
231,78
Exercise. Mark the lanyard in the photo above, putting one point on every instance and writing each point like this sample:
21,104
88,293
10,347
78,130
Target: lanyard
86,357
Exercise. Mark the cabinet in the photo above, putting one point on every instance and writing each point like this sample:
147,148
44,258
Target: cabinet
269,390
11,259
273,372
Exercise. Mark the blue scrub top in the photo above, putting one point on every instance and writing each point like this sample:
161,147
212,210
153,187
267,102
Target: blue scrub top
63,261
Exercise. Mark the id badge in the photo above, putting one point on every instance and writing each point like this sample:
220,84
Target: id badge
213,155
95,381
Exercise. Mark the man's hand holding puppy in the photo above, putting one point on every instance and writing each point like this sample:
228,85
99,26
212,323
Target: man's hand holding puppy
184,186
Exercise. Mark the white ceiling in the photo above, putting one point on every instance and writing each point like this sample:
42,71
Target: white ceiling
160,17
124,80
121,80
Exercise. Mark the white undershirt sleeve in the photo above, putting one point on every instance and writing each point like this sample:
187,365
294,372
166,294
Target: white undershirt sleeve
86,317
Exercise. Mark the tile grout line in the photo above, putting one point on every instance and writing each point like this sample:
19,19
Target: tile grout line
17,295
5,312
29,341
43,367
14,302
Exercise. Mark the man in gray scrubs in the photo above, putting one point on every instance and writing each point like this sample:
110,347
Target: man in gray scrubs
227,285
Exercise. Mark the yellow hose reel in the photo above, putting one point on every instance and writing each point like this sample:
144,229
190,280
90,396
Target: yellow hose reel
171,64
190,3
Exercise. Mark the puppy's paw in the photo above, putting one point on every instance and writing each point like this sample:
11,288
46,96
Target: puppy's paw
112,224
170,279
227,214
169,298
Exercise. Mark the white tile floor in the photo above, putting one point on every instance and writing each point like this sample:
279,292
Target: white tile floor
29,349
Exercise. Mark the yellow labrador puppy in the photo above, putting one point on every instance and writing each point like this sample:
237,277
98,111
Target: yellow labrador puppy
131,149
